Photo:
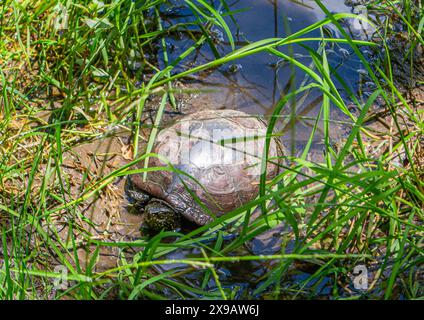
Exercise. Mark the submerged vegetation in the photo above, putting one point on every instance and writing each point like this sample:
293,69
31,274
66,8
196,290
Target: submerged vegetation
87,84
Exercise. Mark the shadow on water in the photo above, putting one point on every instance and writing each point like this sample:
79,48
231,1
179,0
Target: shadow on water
255,84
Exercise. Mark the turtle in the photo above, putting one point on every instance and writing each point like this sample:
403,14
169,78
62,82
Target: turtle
212,164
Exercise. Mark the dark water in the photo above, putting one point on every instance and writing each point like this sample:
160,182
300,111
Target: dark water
255,84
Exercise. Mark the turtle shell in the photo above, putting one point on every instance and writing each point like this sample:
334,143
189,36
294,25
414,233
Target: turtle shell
217,154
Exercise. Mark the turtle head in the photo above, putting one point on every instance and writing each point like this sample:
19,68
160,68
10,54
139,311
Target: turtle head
136,196
159,216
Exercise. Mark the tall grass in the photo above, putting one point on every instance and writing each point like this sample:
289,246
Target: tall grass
68,85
